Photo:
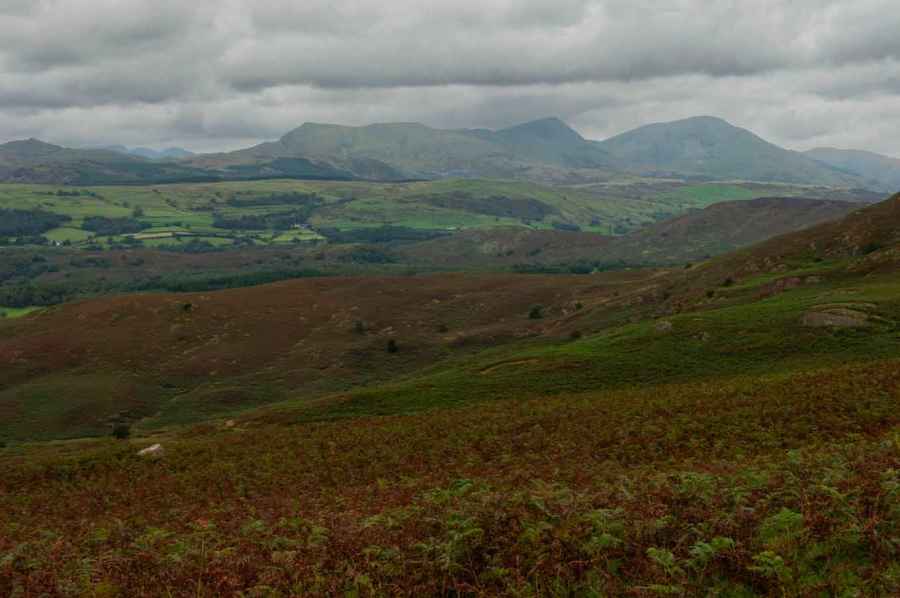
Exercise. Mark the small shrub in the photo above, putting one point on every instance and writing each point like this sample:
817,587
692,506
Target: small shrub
121,431
536,313
710,294
575,335
392,346
728,282
871,248
359,327
443,328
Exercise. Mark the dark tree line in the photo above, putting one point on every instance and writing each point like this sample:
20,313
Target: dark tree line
104,226
29,223
382,234
273,221
307,200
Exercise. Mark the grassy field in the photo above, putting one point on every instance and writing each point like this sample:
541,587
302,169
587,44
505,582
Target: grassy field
189,208
16,312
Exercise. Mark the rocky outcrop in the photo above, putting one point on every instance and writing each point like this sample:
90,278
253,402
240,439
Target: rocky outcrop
836,317
152,452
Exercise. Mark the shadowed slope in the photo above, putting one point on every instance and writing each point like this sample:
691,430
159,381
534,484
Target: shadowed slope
68,370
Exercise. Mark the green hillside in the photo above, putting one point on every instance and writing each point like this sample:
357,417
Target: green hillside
724,227
712,148
446,204
409,150
63,243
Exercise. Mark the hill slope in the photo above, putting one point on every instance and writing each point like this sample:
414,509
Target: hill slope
724,227
33,161
185,357
695,236
712,148
702,147
875,170
393,151
872,233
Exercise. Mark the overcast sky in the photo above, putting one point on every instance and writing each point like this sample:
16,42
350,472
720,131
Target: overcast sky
221,74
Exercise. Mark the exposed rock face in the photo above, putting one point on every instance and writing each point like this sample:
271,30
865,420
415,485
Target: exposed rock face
152,452
836,318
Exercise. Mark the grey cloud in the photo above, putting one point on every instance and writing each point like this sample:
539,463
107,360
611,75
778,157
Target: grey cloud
63,33
210,74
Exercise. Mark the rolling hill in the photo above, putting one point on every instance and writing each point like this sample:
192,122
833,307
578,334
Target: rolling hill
34,161
711,148
874,170
396,151
694,236
183,357
703,148
724,227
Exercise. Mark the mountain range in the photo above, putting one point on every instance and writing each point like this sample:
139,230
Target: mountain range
699,148
34,161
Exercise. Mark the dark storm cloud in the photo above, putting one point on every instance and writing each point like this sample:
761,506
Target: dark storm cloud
214,73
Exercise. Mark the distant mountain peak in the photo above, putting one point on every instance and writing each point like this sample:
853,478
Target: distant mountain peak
711,148
30,147
310,126
705,118
547,129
